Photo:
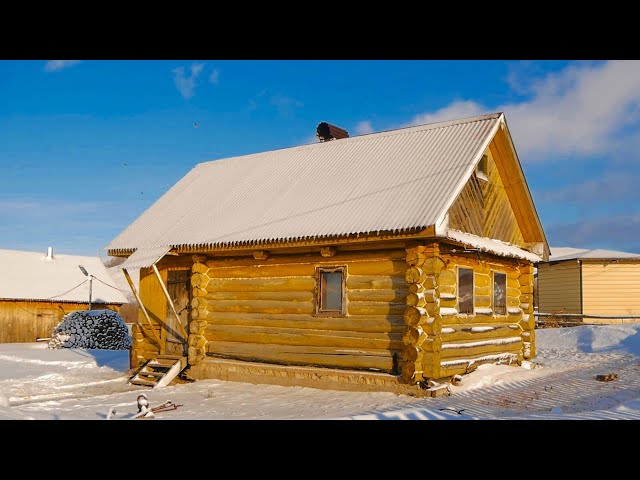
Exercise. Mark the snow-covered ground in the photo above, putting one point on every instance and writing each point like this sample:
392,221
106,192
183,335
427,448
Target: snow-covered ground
41,383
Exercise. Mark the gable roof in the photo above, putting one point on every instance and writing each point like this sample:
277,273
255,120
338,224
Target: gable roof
31,276
397,180
569,253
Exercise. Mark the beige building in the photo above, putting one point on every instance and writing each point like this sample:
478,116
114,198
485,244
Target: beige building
593,283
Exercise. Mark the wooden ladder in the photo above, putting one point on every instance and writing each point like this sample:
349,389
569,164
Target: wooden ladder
159,371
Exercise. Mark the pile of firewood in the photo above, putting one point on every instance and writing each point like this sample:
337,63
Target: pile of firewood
100,329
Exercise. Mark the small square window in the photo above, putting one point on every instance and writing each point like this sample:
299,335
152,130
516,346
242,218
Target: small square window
330,294
482,171
465,291
500,293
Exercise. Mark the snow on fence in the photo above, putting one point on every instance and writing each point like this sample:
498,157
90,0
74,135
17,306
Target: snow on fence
100,329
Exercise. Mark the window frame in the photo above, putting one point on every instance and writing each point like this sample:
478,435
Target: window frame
321,312
482,168
473,293
493,292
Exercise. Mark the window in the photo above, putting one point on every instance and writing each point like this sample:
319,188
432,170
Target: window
330,295
500,293
482,168
465,290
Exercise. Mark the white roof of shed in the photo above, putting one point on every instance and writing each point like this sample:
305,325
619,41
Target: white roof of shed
389,181
568,253
31,276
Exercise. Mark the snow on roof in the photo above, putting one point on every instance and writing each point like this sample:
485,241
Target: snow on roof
31,276
120,281
492,246
395,180
569,253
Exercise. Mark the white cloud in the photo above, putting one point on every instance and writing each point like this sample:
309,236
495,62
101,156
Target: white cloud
619,232
583,109
186,85
57,65
455,110
214,77
284,104
617,186
364,127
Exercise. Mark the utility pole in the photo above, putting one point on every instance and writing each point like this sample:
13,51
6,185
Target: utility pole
83,270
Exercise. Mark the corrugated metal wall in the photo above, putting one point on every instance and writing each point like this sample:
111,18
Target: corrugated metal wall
611,288
559,287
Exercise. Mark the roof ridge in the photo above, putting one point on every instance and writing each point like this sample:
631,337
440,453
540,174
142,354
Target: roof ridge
383,133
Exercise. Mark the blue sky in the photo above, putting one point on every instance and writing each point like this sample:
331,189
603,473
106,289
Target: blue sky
87,146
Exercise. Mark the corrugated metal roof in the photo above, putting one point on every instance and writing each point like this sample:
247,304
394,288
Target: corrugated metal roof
388,181
569,253
31,276
144,257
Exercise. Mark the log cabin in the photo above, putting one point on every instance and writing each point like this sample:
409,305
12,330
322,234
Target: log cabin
589,286
407,252
38,289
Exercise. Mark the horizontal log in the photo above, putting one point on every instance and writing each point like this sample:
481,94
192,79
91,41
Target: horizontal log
513,283
416,258
263,271
448,303
199,268
259,306
378,295
303,355
262,285
284,296
415,275
414,316
309,258
432,326
447,277
525,279
526,298
375,308
513,302
369,323
514,274
481,290
479,331
526,269
430,365
422,298
300,336
490,348
453,368
375,282
432,266
482,301
526,289
382,267
513,292
448,290
482,280
411,372
528,322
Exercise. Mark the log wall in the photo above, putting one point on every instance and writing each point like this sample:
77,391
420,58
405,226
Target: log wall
264,310
22,321
440,342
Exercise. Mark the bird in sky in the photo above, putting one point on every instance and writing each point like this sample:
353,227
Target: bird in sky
196,125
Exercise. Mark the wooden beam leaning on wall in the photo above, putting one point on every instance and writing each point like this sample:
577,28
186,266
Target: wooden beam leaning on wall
173,307
141,306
